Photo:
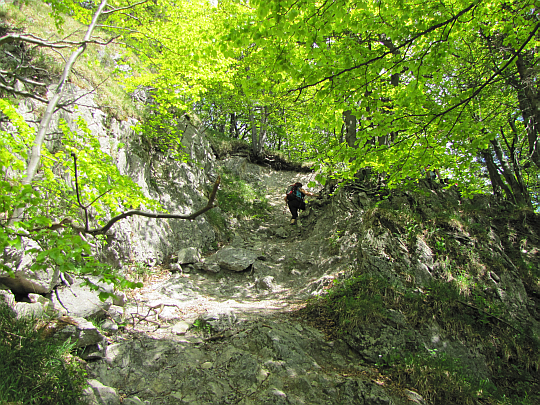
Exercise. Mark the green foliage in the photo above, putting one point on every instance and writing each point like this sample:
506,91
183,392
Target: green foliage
52,197
35,369
241,199
421,89
223,146
201,326
364,300
441,378
161,131
360,299
217,220
139,272
334,243
56,21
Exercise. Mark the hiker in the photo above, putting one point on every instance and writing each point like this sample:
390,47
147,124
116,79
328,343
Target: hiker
294,199
432,173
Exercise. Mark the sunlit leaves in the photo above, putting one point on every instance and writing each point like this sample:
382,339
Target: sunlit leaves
52,198
343,55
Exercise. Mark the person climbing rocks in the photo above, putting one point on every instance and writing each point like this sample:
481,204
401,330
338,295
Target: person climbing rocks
432,173
294,199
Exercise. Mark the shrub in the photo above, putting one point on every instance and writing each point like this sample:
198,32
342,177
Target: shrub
35,369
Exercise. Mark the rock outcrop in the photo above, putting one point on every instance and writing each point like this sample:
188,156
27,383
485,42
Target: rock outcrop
217,326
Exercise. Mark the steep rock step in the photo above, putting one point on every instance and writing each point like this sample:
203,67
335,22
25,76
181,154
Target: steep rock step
261,362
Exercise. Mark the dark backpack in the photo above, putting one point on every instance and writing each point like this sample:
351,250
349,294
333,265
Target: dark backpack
293,193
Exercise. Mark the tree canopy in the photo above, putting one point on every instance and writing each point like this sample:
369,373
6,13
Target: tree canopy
448,85
399,87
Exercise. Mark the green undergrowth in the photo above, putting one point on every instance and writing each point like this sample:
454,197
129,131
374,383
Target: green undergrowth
471,247
35,369
468,242
224,146
96,70
511,351
240,199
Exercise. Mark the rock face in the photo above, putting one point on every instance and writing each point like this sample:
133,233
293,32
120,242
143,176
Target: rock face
177,185
189,256
26,280
264,362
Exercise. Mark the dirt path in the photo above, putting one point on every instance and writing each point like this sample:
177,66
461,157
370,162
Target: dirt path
282,278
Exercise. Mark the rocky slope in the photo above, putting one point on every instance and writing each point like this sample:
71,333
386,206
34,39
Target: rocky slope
206,334
230,336
437,293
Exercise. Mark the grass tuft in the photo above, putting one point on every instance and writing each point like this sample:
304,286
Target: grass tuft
35,369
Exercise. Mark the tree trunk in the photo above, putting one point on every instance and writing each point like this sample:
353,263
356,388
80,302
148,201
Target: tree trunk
233,127
350,128
529,104
264,128
519,192
496,182
35,154
254,138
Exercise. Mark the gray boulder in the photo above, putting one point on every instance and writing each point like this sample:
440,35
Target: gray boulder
265,283
26,280
233,259
189,256
79,300
218,321
7,297
37,308
98,394
80,331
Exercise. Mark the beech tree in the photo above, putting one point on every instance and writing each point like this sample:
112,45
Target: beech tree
75,177
440,78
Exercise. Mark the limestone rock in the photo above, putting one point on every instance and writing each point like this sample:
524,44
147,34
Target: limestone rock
98,394
119,298
218,321
234,259
189,256
80,331
265,283
262,362
7,297
79,300
180,328
175,267
109,326
26,280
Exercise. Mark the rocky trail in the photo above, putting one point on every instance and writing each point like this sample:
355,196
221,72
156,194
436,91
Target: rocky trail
278,281
199,337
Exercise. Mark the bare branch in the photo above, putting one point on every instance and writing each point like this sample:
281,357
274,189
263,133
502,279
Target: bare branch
81,206
115,27
492,78
98,197
22,93
22,79
31,39
125,8
209,206
35,40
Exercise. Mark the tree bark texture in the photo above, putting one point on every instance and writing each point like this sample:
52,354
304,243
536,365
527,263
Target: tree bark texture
350,128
